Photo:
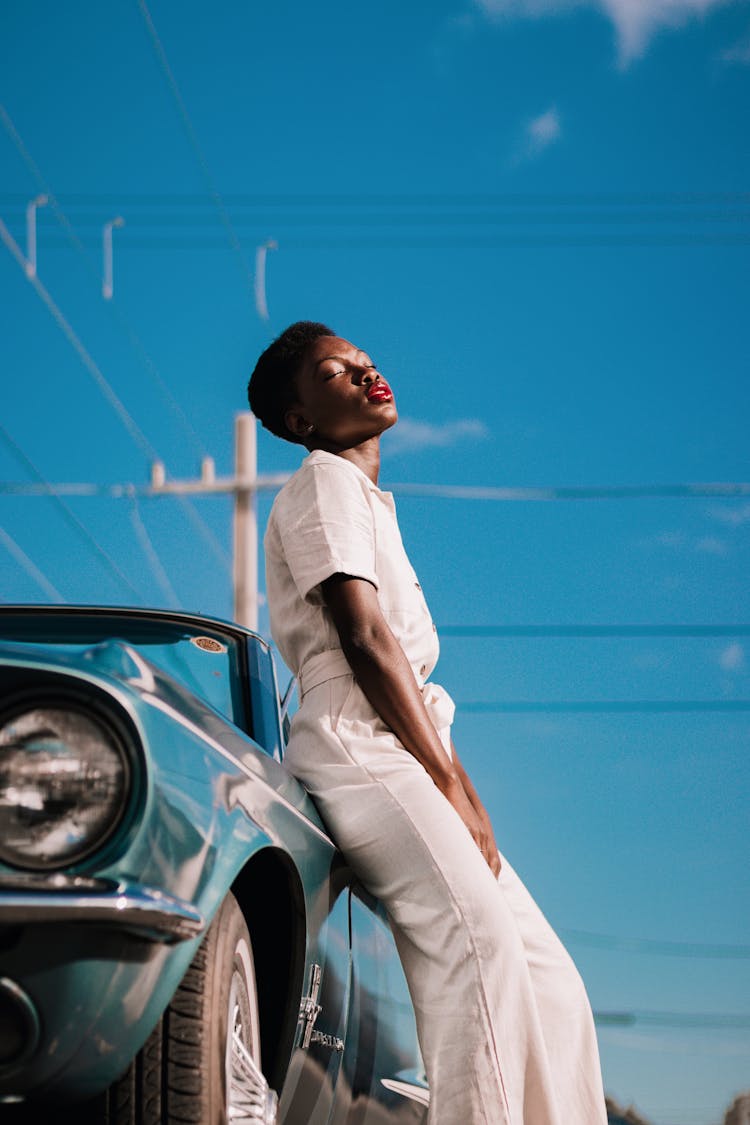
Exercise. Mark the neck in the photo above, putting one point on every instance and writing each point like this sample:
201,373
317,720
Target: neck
365,456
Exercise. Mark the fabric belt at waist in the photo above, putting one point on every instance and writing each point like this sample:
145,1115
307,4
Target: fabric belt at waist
328,665
321,667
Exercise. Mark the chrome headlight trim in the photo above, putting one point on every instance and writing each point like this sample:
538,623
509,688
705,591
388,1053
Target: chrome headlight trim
96,721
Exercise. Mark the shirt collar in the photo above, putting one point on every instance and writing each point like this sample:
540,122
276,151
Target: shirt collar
322,455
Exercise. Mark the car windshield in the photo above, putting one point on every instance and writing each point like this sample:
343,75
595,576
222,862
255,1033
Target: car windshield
202,658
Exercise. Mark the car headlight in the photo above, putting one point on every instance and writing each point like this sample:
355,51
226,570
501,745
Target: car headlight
64,782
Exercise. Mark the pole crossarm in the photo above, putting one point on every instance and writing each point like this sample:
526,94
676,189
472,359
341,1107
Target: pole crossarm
235,484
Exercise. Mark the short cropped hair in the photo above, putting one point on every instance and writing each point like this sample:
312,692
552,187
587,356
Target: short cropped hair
271,389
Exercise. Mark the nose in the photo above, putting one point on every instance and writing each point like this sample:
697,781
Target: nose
369,375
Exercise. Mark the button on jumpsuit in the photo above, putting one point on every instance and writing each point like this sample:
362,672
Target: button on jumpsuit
504,1024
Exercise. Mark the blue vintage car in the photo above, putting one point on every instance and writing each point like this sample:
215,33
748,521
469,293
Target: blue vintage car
180,940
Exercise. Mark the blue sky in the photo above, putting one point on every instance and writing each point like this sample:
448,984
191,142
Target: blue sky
534,215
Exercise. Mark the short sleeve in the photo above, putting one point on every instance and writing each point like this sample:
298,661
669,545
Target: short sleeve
327,527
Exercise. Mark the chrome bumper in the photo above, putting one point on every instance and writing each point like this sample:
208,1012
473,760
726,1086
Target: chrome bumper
144,911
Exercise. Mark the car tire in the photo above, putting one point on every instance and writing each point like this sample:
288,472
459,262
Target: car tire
203,1057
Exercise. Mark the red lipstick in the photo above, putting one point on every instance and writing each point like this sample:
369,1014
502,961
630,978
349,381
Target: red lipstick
379,392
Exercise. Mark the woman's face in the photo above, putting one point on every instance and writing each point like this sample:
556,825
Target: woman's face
342,395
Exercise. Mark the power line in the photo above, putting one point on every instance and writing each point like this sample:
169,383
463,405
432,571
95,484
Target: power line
417,199
112,307
193,138
205,533
91,366
273,481
715,1020
478,631
607,492
133,339
356,217
104,386
446,241
68,515
659,948
603,707
152,555
30,567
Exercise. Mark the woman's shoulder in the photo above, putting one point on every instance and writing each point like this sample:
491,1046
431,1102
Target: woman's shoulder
320,474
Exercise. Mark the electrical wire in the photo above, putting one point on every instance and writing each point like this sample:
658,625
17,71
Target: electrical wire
603,707
30,567
68,515
134,340
152,555
386,242
195,144
468,221
607,492
716,1020
599,199
477,631
657,947
112,307
132,427
728,489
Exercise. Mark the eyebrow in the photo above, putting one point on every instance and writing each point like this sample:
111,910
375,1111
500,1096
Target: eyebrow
340,358
325,357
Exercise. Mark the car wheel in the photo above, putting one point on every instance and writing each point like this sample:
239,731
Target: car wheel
202,1061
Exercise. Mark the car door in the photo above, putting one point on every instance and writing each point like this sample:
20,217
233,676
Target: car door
382,1079
322,1040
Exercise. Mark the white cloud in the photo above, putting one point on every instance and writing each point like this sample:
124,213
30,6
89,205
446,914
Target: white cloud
543,130
711,545
679,541
738,53
732,658
735,517
539,133
635,21
411,435
673,539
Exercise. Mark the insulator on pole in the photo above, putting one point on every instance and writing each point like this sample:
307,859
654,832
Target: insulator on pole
31,209
107,283
261,304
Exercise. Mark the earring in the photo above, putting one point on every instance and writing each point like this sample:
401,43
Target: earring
309,429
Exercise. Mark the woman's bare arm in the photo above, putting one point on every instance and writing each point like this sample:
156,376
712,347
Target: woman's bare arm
385,676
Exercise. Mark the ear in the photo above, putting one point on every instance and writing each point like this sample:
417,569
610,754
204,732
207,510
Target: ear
297,424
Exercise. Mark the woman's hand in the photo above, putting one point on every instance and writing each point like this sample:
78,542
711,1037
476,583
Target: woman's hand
488,846
477,821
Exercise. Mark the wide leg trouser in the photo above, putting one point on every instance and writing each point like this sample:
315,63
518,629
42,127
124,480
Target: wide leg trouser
504,1024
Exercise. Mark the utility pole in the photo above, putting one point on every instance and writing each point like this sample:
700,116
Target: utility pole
245,574
244,485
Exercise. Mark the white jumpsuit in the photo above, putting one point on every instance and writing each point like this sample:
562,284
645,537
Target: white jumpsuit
504,1024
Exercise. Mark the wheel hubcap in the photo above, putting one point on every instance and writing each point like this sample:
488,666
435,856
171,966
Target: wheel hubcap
249,1098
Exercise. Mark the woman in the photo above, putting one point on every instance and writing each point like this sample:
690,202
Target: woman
504,1024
